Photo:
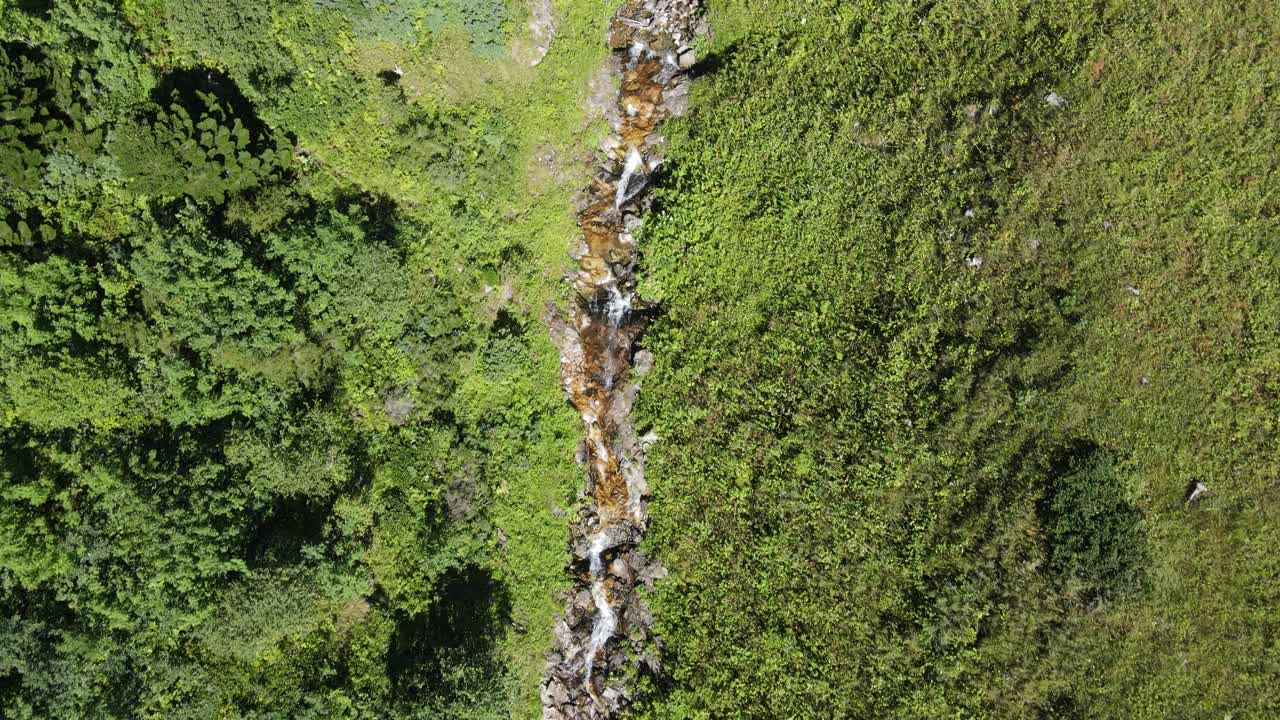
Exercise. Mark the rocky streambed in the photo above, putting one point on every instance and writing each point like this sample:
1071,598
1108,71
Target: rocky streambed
601,640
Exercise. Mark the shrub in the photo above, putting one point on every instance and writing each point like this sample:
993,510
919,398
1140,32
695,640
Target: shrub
1095,536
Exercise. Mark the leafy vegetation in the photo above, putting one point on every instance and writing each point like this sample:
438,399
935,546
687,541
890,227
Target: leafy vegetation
958,297
1093,533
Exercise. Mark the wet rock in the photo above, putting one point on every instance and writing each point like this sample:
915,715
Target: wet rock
621,570
621,36
596,334
615,535
608,147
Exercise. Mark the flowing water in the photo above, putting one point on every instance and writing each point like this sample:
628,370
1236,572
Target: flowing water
606,621
606,624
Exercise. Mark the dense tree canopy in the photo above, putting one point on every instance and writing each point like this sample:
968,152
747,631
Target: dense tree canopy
236,471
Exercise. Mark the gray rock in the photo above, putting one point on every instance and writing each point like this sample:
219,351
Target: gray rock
577,619
648,440
398,405
563,636
1195,491
550,711
642,363
638,615
631,222
651,573
460,494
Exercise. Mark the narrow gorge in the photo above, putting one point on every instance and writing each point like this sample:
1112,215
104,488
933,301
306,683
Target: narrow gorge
600,642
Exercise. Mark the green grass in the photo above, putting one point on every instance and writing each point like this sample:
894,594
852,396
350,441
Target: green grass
862,432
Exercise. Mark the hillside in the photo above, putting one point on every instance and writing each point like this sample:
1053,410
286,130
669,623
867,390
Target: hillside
952,330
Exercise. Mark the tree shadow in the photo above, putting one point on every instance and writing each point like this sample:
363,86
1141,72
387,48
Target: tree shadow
35,8
185,87
292,524
449,652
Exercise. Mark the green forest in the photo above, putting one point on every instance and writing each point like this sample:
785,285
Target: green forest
965,383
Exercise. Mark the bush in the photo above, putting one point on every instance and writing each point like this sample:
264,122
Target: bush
1095,535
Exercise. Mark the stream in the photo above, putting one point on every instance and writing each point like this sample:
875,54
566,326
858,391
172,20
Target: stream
602,640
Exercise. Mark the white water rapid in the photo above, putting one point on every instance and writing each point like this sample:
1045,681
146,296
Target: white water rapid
606,621
631,172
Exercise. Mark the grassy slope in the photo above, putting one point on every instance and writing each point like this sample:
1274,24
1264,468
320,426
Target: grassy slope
862,432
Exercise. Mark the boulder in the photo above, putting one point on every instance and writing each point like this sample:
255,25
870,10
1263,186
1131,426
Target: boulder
621,570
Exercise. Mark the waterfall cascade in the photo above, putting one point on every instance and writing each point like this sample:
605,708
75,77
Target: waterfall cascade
602,638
